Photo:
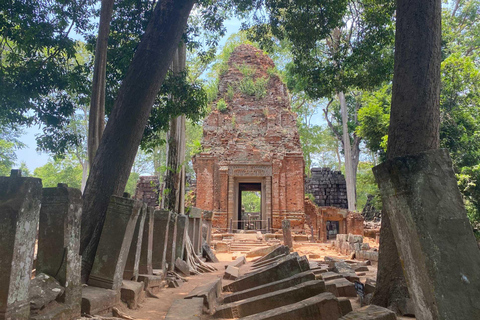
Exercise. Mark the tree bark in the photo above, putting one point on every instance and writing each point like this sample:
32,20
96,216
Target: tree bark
349,171
96,119
175,149
123,133
414,118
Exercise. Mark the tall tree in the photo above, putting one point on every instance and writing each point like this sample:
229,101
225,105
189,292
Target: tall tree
414,121
124,130
96,121
174,183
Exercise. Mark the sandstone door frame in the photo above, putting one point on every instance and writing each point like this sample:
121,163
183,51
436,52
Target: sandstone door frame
249,174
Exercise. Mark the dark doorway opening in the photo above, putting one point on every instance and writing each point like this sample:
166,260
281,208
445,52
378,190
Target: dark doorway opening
332,229
249,206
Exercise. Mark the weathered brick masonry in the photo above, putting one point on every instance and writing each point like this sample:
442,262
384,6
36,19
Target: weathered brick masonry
254,140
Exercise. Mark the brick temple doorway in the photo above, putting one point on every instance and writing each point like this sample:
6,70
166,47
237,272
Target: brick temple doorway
243,219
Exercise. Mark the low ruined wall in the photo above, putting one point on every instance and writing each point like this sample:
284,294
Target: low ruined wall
317,217
328,187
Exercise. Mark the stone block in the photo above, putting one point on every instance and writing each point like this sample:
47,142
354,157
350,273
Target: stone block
209,292
185,309
327,276
261,251
161,227
222,247
231,273
274,273
171,242
300,238
274,261
99,301
430,225
59,243
182,228
114,244
146,255
182,266
152,283
345,288
270,287
287,233
270,300
345,305
133,259
20,208
240,261
343,267
371,312
208,254
132,293
332,288
264,263
361,269
43,290
370,285
281,250
323,306
342,237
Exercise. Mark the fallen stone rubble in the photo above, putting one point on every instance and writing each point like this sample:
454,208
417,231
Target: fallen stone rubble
283,285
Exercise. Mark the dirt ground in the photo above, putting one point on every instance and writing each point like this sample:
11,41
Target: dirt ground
153,309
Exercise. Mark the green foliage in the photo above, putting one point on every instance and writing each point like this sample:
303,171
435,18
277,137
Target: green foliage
310,197
374,119
246,70
132,183
38,63
251,87
222,105
251,201
176,97
66,170
366,185
9,143
230,92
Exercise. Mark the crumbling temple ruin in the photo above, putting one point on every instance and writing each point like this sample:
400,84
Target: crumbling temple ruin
251,143
328,187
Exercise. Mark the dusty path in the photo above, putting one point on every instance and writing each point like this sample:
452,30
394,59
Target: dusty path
154,309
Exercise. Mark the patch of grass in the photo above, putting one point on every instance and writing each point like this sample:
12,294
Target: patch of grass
256,88
246,70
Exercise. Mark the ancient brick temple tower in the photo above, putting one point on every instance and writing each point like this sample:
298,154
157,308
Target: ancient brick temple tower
251,143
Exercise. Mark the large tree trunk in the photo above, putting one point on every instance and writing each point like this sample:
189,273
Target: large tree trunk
96,119
124,130
349,171
414,118
172,199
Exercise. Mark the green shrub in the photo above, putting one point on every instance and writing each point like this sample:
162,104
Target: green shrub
221,105
256,88
246,70
230,92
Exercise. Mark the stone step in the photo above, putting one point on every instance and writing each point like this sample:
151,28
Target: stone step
323,306
270,300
